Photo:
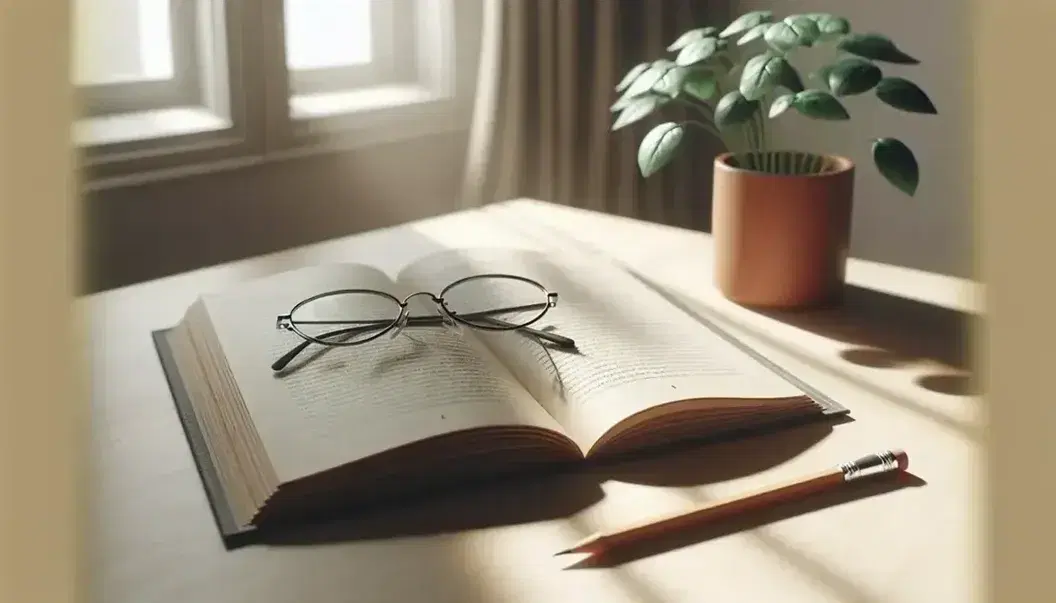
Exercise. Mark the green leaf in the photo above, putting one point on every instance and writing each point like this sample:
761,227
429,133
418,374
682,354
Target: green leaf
693,35
762,73
621,102
645,82
903,94
753,34
853,75
781,104
822,76
791,80
896,164
638,109
819,104
698,51
733,108
632,75
746,21
658,147
792,32
670,83
625,101
700,84
831,26
876,47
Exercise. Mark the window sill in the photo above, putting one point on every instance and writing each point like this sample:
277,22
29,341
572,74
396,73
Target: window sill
315,106
131,149
371,116
146,126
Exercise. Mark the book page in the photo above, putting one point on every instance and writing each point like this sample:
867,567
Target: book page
635,351
335,404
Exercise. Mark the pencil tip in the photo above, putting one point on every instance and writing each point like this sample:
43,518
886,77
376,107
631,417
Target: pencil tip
582,546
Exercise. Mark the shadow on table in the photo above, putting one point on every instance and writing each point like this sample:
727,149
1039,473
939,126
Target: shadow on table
889,331
749,520
557,494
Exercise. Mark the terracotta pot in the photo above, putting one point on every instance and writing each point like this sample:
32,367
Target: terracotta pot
781,240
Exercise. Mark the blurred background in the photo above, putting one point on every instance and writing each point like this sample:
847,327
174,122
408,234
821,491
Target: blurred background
214,131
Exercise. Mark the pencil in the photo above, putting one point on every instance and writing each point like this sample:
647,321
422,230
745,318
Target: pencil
883,462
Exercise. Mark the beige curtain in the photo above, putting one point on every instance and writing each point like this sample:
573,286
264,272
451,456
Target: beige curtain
541,125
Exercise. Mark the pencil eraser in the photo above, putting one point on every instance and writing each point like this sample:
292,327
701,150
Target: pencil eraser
902,458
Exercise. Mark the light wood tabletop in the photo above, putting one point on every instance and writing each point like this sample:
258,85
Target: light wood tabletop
894,355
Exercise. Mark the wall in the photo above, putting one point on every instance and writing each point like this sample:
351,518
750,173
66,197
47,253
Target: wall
931,231
151,230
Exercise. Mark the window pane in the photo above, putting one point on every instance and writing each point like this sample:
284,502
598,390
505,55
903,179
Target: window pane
327,33
122,41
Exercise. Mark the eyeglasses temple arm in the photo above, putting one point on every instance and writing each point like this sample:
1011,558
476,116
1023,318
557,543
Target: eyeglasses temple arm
288,357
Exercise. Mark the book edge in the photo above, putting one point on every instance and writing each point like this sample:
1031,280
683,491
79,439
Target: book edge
232,534
828,406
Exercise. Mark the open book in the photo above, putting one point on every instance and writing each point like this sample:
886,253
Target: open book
437,403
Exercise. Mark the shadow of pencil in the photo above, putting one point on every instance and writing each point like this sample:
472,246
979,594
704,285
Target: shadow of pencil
748,521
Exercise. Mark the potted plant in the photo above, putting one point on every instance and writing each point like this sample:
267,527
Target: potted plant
780,217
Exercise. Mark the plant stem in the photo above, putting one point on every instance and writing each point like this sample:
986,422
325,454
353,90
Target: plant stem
707,127
704,109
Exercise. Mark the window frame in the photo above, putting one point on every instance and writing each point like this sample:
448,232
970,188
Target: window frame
227,76
184,88
247,86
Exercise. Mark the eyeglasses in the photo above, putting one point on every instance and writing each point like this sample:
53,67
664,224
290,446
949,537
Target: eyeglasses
491,302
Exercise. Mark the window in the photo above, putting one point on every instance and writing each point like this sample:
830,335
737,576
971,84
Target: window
172,84
127,58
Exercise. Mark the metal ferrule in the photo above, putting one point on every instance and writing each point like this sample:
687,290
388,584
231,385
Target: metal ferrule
880,462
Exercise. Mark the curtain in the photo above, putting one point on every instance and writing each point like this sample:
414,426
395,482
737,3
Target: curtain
541,123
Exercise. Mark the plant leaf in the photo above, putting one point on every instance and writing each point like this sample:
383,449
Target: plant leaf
781,104
819,104
691,36
822,76
903,94
876,47
670,83
753,34
733,108
632,75
638,109
762,73
658,147
746,21
700,84
853,75
831,26
624,101
797,30
896,164
791,80
698,51
645,82
621,102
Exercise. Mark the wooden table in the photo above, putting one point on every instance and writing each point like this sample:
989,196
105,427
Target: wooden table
892,355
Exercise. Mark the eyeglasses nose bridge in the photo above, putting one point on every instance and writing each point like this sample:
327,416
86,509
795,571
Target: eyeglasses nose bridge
434,298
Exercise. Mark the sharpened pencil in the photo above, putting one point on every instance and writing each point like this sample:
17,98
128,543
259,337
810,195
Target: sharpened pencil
884,462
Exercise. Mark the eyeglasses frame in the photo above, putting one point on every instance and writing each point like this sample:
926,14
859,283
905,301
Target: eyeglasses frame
286,322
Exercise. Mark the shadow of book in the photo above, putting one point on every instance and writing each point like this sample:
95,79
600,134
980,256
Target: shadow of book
751,520
559,492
